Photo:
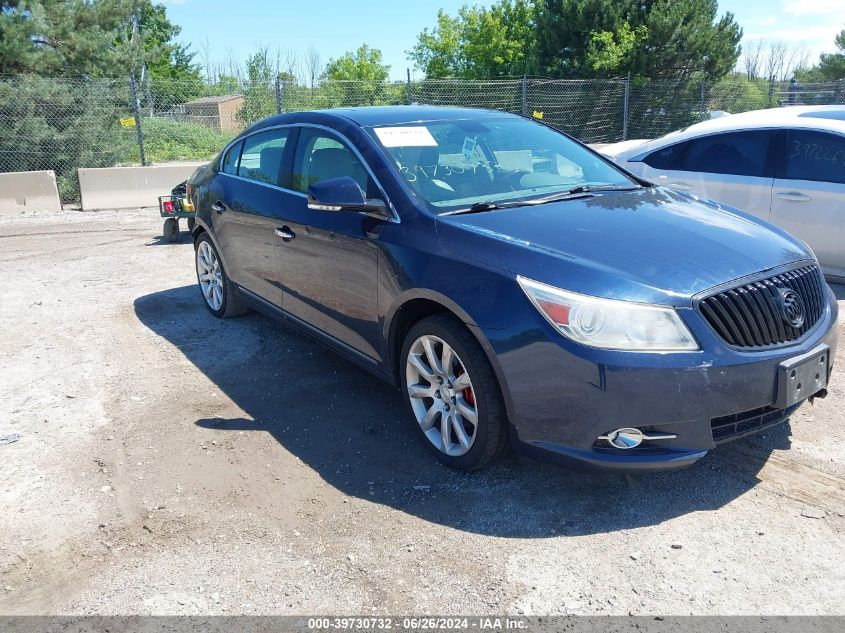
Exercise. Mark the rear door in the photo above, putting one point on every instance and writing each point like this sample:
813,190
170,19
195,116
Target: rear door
245,201
731,167
809,194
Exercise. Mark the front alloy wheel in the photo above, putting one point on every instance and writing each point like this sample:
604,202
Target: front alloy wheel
441,395
452,393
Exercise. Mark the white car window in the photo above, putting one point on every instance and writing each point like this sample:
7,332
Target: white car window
668,157
817,156
735,153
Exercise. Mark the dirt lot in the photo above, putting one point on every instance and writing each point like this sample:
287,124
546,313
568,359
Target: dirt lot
171,463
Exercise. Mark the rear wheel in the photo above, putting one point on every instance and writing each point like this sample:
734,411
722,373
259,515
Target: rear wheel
452,393
171,229
218,292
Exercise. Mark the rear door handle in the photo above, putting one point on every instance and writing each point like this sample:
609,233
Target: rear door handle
793,196
285,233
219,206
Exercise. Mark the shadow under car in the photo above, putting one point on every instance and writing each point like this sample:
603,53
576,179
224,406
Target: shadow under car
352,429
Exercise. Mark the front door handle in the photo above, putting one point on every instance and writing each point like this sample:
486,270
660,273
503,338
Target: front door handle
219,206
793,196
285,233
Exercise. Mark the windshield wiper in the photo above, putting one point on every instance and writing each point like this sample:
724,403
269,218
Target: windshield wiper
599,188
581,191
487,205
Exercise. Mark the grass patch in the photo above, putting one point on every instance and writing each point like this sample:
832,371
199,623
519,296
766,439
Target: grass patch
167,140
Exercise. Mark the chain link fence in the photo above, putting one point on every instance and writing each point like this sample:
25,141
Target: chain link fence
65,124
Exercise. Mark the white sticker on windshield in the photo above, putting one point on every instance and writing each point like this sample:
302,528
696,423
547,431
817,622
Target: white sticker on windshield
415,136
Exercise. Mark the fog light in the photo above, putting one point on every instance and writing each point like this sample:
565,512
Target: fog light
631,438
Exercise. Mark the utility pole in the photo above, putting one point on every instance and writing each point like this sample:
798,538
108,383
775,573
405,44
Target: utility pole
133,88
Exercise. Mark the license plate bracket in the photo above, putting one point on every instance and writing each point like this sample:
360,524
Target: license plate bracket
802,376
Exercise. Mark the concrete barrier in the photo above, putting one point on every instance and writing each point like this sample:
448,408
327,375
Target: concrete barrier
127,187
29,191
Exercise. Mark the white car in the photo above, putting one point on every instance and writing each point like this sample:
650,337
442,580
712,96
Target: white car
784,165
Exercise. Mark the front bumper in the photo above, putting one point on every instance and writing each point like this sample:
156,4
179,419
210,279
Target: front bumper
561,396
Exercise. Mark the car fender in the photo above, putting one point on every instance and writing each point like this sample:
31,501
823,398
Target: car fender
477,331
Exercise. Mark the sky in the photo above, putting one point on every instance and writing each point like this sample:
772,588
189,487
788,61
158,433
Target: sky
235,29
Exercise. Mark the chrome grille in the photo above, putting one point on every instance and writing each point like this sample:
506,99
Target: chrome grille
751,315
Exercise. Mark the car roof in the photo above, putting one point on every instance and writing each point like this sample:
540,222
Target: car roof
370,116
792,116
831,118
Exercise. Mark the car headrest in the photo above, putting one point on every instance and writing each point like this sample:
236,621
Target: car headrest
270,161
331,162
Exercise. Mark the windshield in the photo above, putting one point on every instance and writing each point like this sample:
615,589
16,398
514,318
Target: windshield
455,164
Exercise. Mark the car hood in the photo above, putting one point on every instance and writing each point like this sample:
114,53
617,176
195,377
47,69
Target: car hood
652,245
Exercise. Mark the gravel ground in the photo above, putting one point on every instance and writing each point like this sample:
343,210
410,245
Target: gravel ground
171,463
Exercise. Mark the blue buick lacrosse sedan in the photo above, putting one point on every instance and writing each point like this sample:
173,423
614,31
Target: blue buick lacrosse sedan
518,288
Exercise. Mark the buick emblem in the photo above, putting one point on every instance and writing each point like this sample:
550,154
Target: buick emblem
791,307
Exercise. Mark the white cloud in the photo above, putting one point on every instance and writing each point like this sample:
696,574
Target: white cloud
822,8
823,35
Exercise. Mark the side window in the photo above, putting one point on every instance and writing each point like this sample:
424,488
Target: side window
815,156
320,156
261,158
666,157
736,153
230,161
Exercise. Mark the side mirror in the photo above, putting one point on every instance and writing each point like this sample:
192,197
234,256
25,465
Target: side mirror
342,194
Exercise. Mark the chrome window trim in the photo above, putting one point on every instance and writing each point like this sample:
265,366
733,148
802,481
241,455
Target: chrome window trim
394,215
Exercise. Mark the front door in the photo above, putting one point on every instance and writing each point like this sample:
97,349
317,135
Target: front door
732,167
328,260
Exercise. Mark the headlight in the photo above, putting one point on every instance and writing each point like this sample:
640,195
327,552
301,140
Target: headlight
608,323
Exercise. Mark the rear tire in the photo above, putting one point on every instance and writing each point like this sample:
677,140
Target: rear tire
171,230
465,393
218,292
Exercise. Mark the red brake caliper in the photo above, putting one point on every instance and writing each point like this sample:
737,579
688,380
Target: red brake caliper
469,396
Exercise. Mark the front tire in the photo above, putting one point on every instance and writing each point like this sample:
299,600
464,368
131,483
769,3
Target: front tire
452,393
218,292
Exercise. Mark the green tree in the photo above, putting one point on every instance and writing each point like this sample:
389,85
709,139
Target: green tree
831,66
63,124
479,42
62,38
165,56
72,59
438,53
259,88
736,93
90,38
224,85
364,64
614,52
681,37
359,78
